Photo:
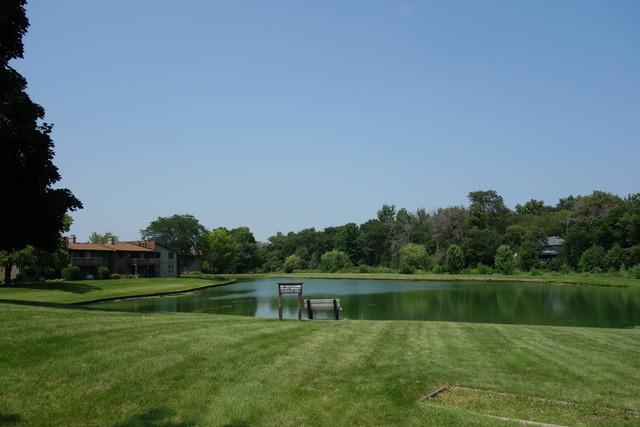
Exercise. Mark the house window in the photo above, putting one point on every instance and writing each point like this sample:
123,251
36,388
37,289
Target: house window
170,255
120,254
171,269
157,254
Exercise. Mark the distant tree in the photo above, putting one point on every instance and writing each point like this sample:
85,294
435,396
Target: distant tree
454,261
348,241
532,207
528,255
413,257
487,210
292,263
615,258
221,251
181,233
247,249
103,238
32,212
387,214
480,245
515,235
504,260
375,237
592,260
449,226
333,261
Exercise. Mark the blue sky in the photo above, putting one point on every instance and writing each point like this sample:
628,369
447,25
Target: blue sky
282,115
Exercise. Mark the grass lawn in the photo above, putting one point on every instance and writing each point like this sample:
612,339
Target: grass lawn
573,279
84,367
68,292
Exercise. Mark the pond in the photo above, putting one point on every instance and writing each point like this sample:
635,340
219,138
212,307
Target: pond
515,303
416,300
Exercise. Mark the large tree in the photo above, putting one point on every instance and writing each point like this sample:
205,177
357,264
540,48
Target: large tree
182,233
96,237
31,211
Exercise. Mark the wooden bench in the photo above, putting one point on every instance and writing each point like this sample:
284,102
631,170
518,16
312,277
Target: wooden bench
331,304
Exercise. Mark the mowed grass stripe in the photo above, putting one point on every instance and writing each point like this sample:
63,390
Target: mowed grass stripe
81,367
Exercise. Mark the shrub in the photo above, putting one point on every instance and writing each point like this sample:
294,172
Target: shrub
333,261
633,255
484,269
592,260
615,258
438,269
379,269
528,256
71,273
115,276
291,263
553,265
413,257
454,260
565,269
363,268
635,271
103,272
204,267
504,260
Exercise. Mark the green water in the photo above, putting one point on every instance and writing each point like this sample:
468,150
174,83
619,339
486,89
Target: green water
403,300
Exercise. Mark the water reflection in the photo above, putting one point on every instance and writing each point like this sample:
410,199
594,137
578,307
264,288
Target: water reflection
400,300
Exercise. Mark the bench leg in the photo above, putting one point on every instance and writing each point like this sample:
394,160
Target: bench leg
335,309
309,310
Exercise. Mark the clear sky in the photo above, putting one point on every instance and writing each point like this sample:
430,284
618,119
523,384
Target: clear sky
281,115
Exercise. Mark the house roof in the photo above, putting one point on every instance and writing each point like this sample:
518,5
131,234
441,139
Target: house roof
555,241
147,246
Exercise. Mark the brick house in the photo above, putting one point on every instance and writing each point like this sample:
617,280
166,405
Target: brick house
146,258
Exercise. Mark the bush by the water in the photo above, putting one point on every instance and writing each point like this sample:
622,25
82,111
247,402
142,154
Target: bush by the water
454,261
615,258
291,263
71,273
204,267
413,257
504,260
484,269
103,272
333,261
592,260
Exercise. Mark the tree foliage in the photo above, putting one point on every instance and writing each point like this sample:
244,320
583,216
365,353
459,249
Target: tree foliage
103,238
334,260
32,211
505,261
181,233
412,257
454,262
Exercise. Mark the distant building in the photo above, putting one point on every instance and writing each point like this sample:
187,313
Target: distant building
145,258
551,248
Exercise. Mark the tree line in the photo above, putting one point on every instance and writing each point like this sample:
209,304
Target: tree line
601,232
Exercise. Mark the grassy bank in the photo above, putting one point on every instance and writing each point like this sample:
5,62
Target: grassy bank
85,367
569,279
73,292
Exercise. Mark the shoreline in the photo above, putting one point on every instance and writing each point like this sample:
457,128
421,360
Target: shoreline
600,281
152,295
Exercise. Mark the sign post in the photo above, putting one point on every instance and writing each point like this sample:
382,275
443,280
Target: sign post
290,288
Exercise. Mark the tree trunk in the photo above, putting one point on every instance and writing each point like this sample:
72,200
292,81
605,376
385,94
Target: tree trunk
7,273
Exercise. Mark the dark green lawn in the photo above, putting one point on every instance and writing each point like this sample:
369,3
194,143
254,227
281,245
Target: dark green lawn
66,292
81,367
